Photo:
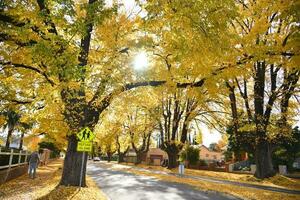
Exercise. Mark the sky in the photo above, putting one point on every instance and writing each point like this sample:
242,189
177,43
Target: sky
209,136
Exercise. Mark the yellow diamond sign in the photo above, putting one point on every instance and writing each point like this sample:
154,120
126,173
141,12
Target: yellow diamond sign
84,146
86,135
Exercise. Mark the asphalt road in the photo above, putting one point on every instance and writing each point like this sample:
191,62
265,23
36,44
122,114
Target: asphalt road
119,185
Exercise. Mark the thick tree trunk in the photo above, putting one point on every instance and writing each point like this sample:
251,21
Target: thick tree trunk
121,157
172,158
73,165
139,157
8,138
263,160
109,154
172,151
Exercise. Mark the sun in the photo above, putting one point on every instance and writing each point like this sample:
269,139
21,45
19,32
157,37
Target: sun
140,61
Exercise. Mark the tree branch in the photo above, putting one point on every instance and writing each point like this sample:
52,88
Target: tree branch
18,65
47,21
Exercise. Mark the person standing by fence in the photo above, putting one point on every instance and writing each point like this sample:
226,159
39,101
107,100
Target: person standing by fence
33,163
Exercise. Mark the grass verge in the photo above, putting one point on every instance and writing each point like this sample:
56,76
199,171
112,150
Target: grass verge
276,181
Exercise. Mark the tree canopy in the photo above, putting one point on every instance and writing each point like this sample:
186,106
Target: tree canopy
68,65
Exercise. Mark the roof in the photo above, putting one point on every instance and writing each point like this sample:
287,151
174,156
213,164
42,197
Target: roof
205,147
209,149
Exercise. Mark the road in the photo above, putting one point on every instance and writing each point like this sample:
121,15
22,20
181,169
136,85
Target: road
120,185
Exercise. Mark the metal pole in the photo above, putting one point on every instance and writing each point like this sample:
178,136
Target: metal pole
81,172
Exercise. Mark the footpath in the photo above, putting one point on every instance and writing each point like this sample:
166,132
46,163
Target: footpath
45,186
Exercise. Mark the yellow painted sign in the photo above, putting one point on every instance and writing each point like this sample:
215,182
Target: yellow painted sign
84,146
86,135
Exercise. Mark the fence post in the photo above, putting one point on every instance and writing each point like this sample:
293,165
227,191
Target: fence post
9,164
25,161
19,160
11,157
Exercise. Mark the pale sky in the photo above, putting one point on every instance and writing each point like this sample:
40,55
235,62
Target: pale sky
209,136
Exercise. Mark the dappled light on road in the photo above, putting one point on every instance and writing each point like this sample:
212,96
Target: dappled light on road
119,185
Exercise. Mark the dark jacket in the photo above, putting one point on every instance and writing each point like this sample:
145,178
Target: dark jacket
34,158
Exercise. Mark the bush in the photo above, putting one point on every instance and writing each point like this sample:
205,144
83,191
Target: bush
4,160
203,163
113,158
191,154
51,146
246,169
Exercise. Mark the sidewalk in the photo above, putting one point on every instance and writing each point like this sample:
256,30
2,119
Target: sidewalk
25,188
45,186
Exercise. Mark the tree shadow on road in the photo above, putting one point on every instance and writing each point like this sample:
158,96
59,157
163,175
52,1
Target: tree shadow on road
119,184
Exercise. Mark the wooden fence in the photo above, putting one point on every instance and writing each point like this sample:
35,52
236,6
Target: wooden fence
15,158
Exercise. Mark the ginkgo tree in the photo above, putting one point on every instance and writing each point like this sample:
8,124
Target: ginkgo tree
268,32
129,125
66,49
74,55
140,126
50,42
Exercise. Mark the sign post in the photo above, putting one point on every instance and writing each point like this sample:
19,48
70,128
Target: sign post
85,137
81,170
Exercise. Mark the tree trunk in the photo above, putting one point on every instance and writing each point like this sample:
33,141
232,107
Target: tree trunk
172,150
109,154
263,160
139,157
172,158
73,165
75,105
121,157
9,134
21,141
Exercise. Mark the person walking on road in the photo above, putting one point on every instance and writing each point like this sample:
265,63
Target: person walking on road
33,163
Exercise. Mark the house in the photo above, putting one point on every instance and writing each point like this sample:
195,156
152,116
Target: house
155,156
130,156
208,155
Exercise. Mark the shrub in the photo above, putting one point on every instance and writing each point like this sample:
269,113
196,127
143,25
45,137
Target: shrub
203,163
191,154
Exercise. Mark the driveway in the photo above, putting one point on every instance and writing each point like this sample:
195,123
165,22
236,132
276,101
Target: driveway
120,185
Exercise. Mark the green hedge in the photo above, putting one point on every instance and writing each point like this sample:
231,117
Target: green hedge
191,154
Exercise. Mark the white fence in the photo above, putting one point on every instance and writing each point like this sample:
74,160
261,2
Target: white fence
11,154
